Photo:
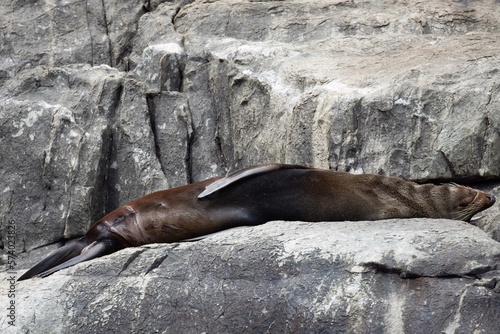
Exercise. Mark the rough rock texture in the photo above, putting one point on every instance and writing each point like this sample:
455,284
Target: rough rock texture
394,276
105,101
195,90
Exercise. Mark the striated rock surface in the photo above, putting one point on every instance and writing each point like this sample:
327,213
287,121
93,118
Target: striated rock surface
197,89
103,102
394,276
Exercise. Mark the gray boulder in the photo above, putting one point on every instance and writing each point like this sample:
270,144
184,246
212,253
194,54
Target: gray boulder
393,276
197,89
104,102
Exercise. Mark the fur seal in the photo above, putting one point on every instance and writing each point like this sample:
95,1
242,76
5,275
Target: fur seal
257,195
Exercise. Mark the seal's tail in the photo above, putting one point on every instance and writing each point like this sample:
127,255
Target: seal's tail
69,255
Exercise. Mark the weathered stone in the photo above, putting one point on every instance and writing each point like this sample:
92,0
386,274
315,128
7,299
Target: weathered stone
199,88
162,67
394,276
70,152
173,131
155,28
353,114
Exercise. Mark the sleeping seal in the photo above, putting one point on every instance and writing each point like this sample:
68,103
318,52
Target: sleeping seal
257,195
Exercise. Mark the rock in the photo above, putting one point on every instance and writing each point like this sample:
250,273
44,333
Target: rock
71,157
362,74
105,102
394,276
173,131
410,92
166,63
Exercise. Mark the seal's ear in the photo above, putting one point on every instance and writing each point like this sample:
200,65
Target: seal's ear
59,256
70,255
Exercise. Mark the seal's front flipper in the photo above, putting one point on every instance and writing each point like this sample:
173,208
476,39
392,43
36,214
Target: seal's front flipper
95,249
59,256
244,174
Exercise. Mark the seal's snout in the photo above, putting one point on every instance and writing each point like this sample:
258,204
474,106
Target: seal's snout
491,198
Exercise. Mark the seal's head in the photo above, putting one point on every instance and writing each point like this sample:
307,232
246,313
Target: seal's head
465,202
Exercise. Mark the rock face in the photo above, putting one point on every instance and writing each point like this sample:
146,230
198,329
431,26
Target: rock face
103,102
394,276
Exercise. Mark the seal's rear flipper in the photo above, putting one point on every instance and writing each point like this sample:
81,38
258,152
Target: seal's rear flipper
70,255
57,257
95,249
